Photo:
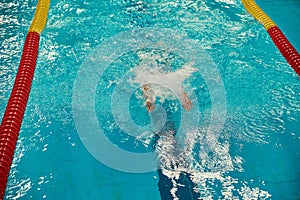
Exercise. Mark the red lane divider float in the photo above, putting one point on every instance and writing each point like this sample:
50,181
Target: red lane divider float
12,119
13,116
286,48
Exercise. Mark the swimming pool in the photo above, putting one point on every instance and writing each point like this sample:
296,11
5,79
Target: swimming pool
257,152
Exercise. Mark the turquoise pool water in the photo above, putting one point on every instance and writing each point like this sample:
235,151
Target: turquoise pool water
285,15
254,156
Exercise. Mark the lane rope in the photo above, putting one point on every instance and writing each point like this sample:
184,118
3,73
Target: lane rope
13,116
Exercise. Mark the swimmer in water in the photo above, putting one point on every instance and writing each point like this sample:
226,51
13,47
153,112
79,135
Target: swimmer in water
156,82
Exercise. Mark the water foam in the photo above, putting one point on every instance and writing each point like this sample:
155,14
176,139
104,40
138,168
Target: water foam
163,84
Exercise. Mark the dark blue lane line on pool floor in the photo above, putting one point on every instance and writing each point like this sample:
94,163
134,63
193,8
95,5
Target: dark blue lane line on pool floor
286,15
185,188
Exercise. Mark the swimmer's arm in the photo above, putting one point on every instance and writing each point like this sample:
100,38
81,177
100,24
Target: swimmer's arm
150,104
185,101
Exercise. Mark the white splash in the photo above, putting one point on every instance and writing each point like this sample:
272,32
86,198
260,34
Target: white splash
164,84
